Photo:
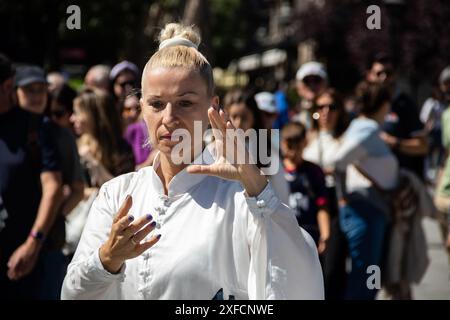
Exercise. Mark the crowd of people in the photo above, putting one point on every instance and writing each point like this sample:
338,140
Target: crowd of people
359,171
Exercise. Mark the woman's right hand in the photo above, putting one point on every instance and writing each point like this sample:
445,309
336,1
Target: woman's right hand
125,238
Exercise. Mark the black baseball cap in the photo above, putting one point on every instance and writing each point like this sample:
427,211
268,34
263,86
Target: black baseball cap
26,75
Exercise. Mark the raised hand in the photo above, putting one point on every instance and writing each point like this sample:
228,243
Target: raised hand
125,238
230,147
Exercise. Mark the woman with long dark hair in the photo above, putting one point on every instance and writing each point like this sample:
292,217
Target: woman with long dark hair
364,166
329,121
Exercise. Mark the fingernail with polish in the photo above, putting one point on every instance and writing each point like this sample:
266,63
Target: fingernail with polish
130,218
153,223
158,236
149,217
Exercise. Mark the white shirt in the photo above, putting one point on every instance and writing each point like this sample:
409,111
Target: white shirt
213,237
363,146
322,149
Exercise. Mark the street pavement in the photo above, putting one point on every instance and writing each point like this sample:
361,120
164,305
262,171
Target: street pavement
436,282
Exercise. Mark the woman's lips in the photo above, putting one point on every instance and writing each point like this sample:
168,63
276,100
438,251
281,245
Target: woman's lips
167,137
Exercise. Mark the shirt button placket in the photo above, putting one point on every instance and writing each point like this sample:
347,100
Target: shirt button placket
161,209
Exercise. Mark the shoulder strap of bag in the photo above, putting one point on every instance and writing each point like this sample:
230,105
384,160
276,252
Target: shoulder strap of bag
368,177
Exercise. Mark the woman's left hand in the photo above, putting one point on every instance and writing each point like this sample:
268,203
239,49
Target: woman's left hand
230,147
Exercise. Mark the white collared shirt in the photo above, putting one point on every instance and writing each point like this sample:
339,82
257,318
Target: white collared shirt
213,237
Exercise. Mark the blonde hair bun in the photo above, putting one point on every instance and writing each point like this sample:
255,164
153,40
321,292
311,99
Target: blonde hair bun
179,48
172,30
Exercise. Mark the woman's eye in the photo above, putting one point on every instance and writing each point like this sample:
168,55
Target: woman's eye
185,103
157,104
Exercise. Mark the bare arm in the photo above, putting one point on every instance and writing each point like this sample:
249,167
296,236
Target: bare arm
75,196
414,146
50,201
417,146
323,220
23,260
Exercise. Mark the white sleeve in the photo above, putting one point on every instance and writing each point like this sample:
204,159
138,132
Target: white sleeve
280,185
86,278
426,110
284,263
350,151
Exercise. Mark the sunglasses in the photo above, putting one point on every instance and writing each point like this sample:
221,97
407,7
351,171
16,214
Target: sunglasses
331,107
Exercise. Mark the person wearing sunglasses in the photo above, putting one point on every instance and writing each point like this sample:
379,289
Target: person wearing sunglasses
311,79
61,106
329,121
124,78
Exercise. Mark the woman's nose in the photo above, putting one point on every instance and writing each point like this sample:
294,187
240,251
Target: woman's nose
169,115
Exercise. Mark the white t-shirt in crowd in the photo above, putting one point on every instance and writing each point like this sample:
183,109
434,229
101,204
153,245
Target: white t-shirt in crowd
321,150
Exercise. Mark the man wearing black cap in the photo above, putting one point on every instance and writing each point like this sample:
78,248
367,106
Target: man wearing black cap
30,184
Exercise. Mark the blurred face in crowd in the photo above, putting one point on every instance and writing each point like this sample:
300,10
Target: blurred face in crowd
241,116
326,112
97,77
310,87
380,73
292,148
131,110
33,97
173,98
55,81
124,83
82,123
60,115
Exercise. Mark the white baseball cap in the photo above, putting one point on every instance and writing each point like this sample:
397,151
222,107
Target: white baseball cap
311,68
266,102
445,75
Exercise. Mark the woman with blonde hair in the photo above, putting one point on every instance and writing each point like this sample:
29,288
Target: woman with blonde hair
225,234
